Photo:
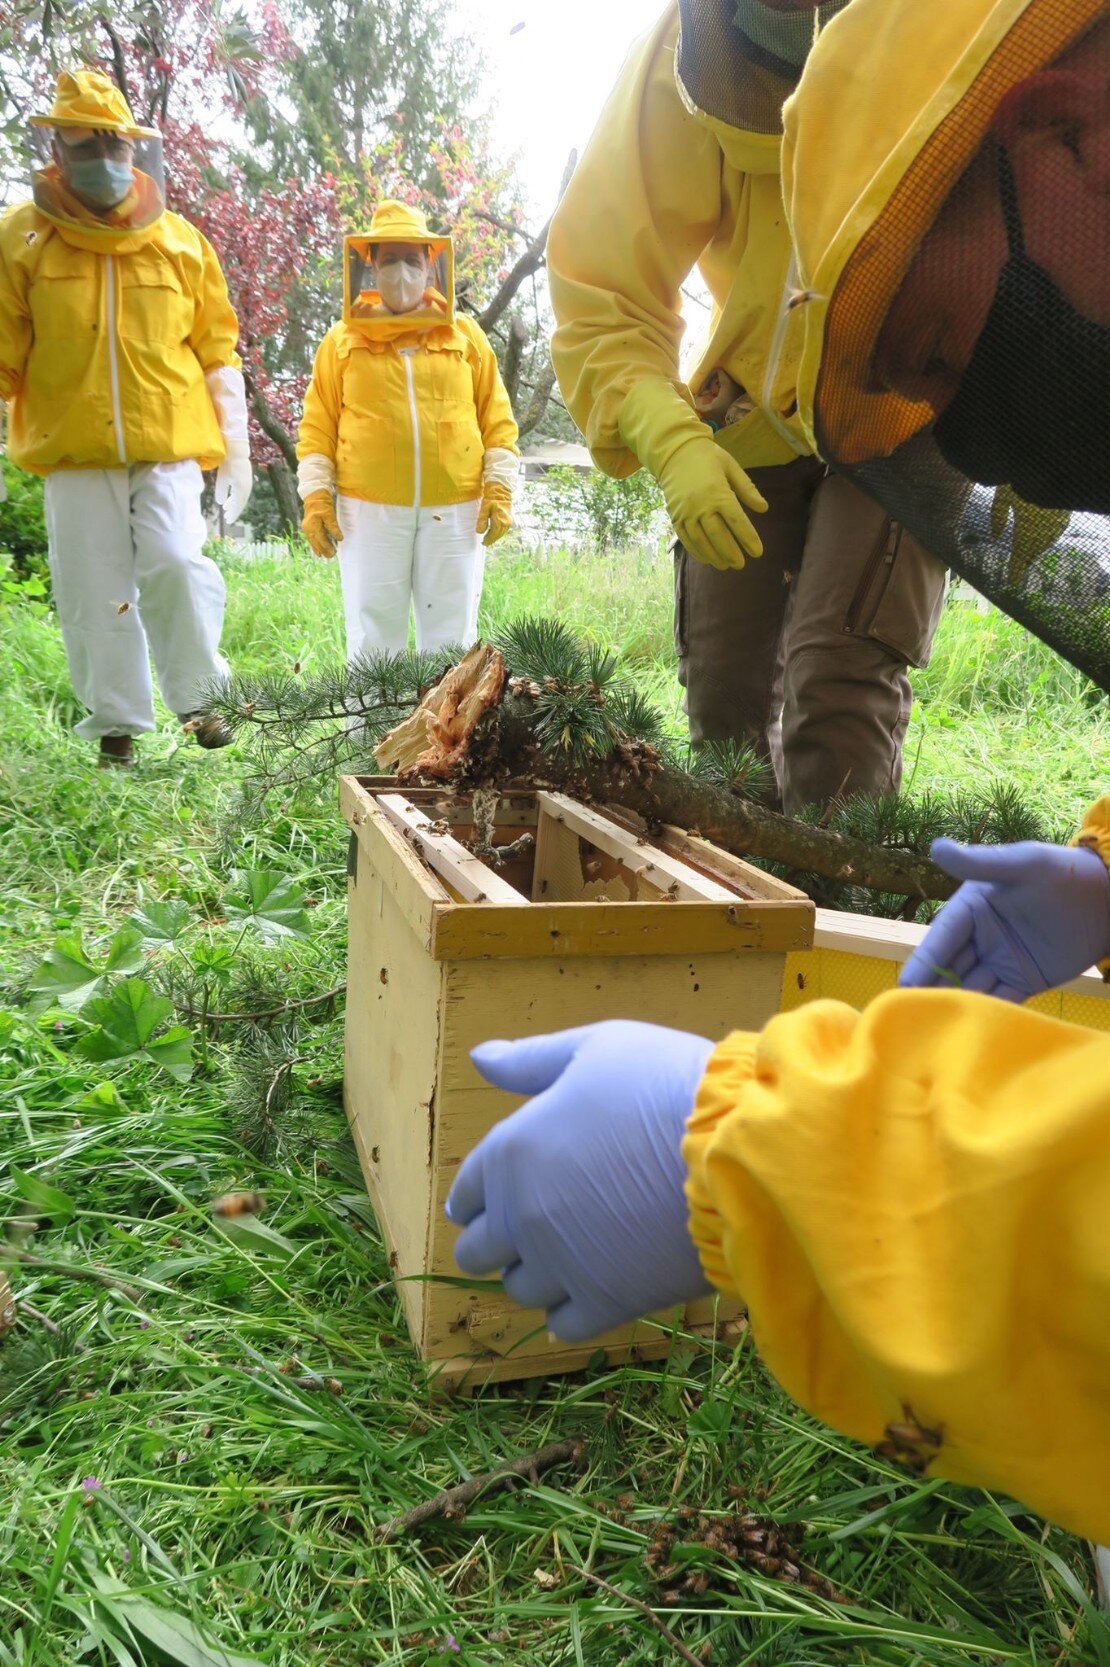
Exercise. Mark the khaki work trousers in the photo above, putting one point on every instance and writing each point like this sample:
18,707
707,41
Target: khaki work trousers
803,653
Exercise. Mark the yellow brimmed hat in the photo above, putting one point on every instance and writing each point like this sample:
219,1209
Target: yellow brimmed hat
896,99
395,222
86,98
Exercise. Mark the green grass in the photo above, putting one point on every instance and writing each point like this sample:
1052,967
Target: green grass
230,1495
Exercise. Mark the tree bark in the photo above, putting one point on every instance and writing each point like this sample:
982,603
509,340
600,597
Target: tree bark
514,350
269,422
527,264
285,493
541,396
639,782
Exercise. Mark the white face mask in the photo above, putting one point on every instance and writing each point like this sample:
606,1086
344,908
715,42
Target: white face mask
401,285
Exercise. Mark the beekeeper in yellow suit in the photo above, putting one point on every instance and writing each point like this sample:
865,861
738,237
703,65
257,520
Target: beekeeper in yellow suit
802,653
913,1200
407,446
119,369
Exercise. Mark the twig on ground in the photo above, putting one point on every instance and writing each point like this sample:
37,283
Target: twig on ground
452,1502
65,1270
47,1323
644,1609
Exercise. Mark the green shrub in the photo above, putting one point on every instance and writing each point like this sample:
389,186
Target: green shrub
22,526
591,507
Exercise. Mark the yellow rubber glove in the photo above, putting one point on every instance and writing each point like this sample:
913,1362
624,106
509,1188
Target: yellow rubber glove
706,491
320,526
1035,530
495,514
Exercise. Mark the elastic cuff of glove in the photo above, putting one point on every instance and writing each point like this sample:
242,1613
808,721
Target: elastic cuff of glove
656,419
731,1067
1094,836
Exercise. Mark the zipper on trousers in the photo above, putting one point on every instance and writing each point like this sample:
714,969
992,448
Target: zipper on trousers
113,363
406,354
885,550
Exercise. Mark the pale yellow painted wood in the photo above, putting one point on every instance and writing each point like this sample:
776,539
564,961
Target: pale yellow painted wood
662,869
744,876
392,1038
382,851
585,929
710,994
467,1374
473,879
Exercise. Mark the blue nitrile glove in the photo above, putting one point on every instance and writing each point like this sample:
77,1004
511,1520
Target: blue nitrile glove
579,1196
1027,918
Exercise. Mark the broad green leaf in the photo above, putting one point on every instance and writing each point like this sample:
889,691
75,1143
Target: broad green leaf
51,1201
270,902
127,1020
66,978
130,1014
173,1051
125,952
161,922
161,1628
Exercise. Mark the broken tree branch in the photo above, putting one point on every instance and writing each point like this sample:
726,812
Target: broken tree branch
479,728
452,1502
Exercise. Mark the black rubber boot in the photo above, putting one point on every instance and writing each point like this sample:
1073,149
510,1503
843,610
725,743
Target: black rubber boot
117,752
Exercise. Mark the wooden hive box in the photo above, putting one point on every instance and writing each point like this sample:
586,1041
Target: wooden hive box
586,921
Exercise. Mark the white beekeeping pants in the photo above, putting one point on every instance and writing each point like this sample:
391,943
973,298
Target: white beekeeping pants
393,556
129,570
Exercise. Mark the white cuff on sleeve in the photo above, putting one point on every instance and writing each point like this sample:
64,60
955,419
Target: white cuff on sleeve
227,391
502,466
315,473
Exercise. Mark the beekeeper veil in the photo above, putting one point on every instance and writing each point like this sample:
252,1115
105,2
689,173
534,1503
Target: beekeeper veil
952,242
398,275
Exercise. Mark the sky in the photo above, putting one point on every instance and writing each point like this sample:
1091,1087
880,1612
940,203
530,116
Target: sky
551,64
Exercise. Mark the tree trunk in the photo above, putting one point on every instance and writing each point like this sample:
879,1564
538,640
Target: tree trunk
284,484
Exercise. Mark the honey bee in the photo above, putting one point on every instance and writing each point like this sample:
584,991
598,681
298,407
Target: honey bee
910,1443
239,1204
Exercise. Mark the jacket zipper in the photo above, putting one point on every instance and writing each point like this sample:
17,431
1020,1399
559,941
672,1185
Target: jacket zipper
774,360
406,354
113,365
886,548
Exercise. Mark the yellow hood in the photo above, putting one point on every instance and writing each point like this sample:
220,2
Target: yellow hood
87,98
895,101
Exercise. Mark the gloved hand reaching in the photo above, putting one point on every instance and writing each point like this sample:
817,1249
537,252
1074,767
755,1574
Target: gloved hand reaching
1027,918
234,480
320,525
495,513
579,1196
706,491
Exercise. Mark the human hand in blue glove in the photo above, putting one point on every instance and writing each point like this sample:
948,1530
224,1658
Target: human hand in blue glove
1027,918
579,1196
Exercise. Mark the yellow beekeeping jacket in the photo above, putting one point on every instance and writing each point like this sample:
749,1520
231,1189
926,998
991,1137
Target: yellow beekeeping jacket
103,351
914,1202
407,419
661,189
